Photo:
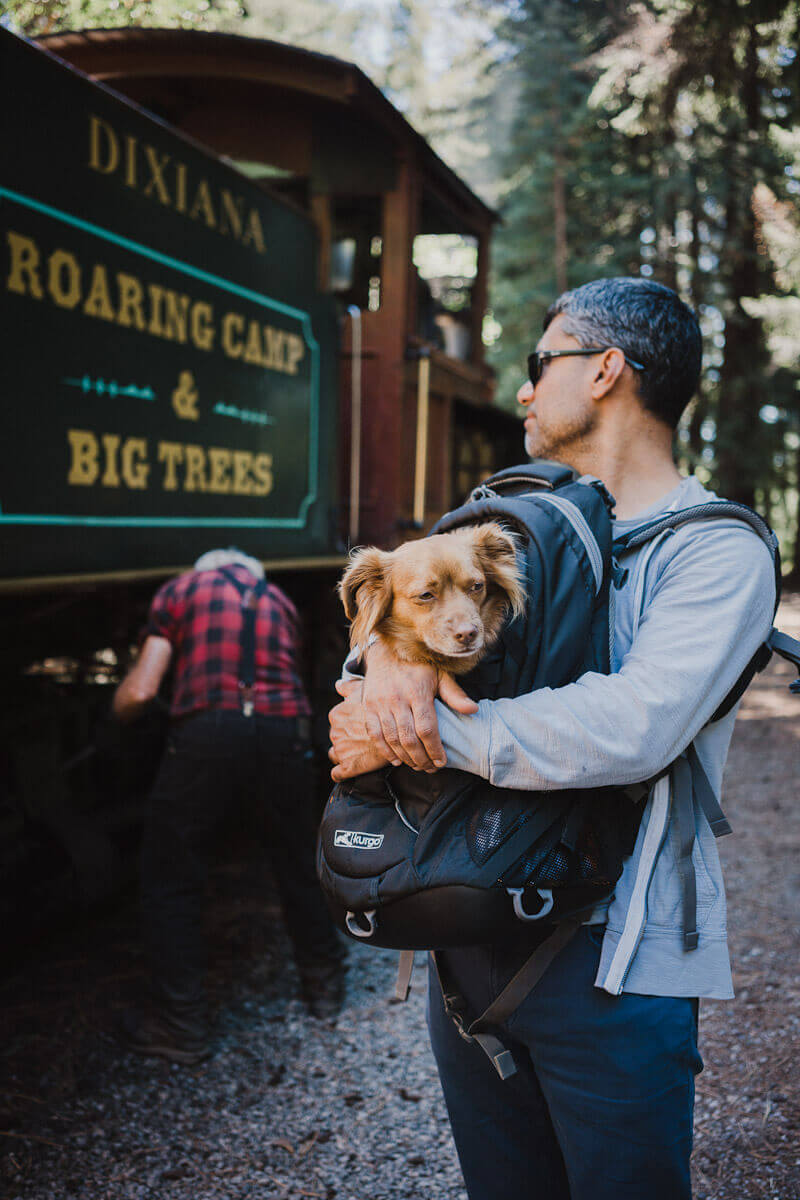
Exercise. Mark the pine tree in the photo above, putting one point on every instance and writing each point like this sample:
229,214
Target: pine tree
573,185
706,80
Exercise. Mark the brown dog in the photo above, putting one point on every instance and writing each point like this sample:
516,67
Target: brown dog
441,600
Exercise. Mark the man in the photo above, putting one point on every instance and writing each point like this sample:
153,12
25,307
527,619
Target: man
238,749
605,1045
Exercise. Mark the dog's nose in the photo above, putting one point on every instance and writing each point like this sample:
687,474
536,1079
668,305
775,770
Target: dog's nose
466,635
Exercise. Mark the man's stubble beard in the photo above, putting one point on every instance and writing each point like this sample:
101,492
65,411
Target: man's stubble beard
565,445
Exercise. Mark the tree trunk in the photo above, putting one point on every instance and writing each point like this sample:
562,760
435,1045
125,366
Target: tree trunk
560,219
743,370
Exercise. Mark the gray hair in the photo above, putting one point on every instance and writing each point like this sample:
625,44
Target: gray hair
212,560
650,324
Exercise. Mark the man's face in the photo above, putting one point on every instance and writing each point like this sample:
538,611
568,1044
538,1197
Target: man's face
561,412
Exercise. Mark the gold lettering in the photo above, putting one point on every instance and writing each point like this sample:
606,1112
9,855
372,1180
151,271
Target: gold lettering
157,163
295,350
219,460
195,480
64,278
131,295
254,233
202,205
243,485
176,317
232,322
170,453
252,351
135,467
110,446
230,218
83,466
107,164
262,469
180,187
202,325
276,348
130,160
98,302
24,262
156,295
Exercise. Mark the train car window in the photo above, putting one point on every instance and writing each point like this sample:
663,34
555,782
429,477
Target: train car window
356,250
447,266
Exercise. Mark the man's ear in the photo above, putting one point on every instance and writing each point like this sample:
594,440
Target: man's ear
611,366
365,592
496,551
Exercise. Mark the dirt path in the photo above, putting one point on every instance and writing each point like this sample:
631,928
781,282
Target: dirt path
747,1125
290,1108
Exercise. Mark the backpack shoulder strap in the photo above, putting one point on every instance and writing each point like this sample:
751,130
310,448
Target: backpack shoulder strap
726,509
778,642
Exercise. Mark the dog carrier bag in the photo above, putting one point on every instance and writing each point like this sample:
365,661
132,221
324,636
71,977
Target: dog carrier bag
415,861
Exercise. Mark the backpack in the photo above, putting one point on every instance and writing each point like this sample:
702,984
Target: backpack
415,861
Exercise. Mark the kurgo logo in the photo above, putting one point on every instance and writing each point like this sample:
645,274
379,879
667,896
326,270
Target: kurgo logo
357,841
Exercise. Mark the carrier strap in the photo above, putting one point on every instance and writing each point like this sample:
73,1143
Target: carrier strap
683,806
526,978
251,594
503,1006
405,969
788,648
705,796
690,784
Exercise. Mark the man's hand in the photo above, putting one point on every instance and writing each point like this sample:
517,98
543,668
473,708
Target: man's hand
397,720
352,750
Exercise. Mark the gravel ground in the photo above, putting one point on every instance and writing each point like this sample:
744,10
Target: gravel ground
289,1107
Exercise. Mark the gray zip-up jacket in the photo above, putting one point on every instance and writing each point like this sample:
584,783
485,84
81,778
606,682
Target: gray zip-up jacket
697,603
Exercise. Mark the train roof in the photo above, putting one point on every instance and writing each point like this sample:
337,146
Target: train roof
145,63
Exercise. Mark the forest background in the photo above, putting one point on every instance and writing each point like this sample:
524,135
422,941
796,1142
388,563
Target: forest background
659,138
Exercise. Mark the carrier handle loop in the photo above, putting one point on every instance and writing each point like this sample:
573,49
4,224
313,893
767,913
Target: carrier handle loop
356,930
547,903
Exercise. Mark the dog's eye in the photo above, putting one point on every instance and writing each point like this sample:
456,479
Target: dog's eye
477,586
426,596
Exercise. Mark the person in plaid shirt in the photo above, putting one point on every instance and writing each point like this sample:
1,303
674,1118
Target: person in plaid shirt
238,750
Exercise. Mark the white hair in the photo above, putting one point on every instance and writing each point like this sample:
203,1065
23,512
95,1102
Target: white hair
212,560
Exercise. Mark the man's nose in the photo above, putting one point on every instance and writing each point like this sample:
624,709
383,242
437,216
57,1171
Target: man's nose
525,393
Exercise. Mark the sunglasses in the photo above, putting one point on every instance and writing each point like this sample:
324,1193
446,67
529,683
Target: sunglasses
537,360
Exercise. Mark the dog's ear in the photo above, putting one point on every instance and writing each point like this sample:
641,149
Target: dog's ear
496,551
365,592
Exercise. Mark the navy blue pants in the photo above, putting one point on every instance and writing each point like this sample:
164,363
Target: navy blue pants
602,1102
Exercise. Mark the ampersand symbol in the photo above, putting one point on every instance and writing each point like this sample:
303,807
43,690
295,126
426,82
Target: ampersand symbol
185,397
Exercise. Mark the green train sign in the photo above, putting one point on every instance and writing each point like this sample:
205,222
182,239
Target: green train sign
168,364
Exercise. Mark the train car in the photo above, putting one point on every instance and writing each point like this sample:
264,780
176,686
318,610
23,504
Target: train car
242,304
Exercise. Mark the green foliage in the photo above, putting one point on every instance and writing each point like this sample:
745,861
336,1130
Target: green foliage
667,133
37,17
573,185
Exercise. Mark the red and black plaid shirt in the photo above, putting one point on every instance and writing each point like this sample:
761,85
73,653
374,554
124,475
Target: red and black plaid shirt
200,613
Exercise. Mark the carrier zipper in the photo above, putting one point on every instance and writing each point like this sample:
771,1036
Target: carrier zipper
393,795
484,492
581,527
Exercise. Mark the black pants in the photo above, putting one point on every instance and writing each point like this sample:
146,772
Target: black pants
221,768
